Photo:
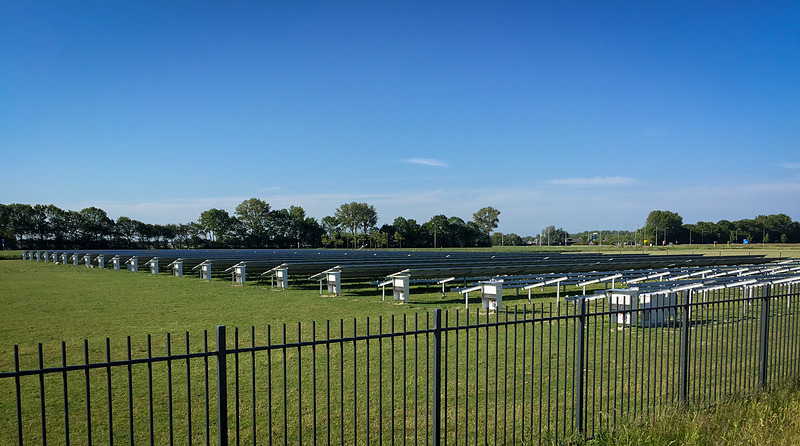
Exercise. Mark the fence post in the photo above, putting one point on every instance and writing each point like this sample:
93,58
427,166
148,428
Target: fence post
579,366
437,375
222,387
686,321
762,342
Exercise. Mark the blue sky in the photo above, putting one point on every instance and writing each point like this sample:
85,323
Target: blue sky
584,115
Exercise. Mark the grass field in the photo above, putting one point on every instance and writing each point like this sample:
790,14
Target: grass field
43,302
47,303
763,419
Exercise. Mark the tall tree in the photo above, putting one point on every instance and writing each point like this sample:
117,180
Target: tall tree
725,231
255,215
552,236
73,227
58,221
127,228
216,223
439,229
409,233
194,233
745,229
21,219
95,225
706,230
280,228
666,225
5,226
487,219
40,224
356,216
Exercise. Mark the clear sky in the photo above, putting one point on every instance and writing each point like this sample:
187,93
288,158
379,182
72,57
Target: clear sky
584,115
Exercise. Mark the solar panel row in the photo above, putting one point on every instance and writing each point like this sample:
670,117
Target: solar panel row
375,265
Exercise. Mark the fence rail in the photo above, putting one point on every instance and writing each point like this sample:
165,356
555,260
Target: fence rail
533,374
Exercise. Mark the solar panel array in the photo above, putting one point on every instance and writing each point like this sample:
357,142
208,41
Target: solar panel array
516,270
375,265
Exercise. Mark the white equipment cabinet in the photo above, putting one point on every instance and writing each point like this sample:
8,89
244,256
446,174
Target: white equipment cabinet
153,265
492,295
334,282
282,277
205,271
238,273
177,267
400,286
642,309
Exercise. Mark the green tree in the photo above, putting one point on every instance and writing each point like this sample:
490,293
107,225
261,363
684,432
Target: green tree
255,216
398,239
476,236
745,229
194,233
21,218
58,220
331,232
40,224
552,236
310,233
459,232
280,228
6,228
665,225
304,231
725,231
439,229
126,229
411,234
95,225
216,223
356,217
72,227
706,230
487,219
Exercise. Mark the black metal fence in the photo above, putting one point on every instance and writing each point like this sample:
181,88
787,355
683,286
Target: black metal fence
535,374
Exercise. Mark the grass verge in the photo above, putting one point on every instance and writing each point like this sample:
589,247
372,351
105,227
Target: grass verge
769,418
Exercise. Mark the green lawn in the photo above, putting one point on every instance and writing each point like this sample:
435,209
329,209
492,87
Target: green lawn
764,419
43,302
47,303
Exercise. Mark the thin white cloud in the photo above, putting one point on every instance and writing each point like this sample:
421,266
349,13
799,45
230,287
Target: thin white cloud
790,165
427,162
594,182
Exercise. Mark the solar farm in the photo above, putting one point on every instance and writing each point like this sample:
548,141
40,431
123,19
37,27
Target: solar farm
324,321
484,273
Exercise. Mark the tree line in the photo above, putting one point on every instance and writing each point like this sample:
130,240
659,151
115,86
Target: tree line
664,227
254,224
